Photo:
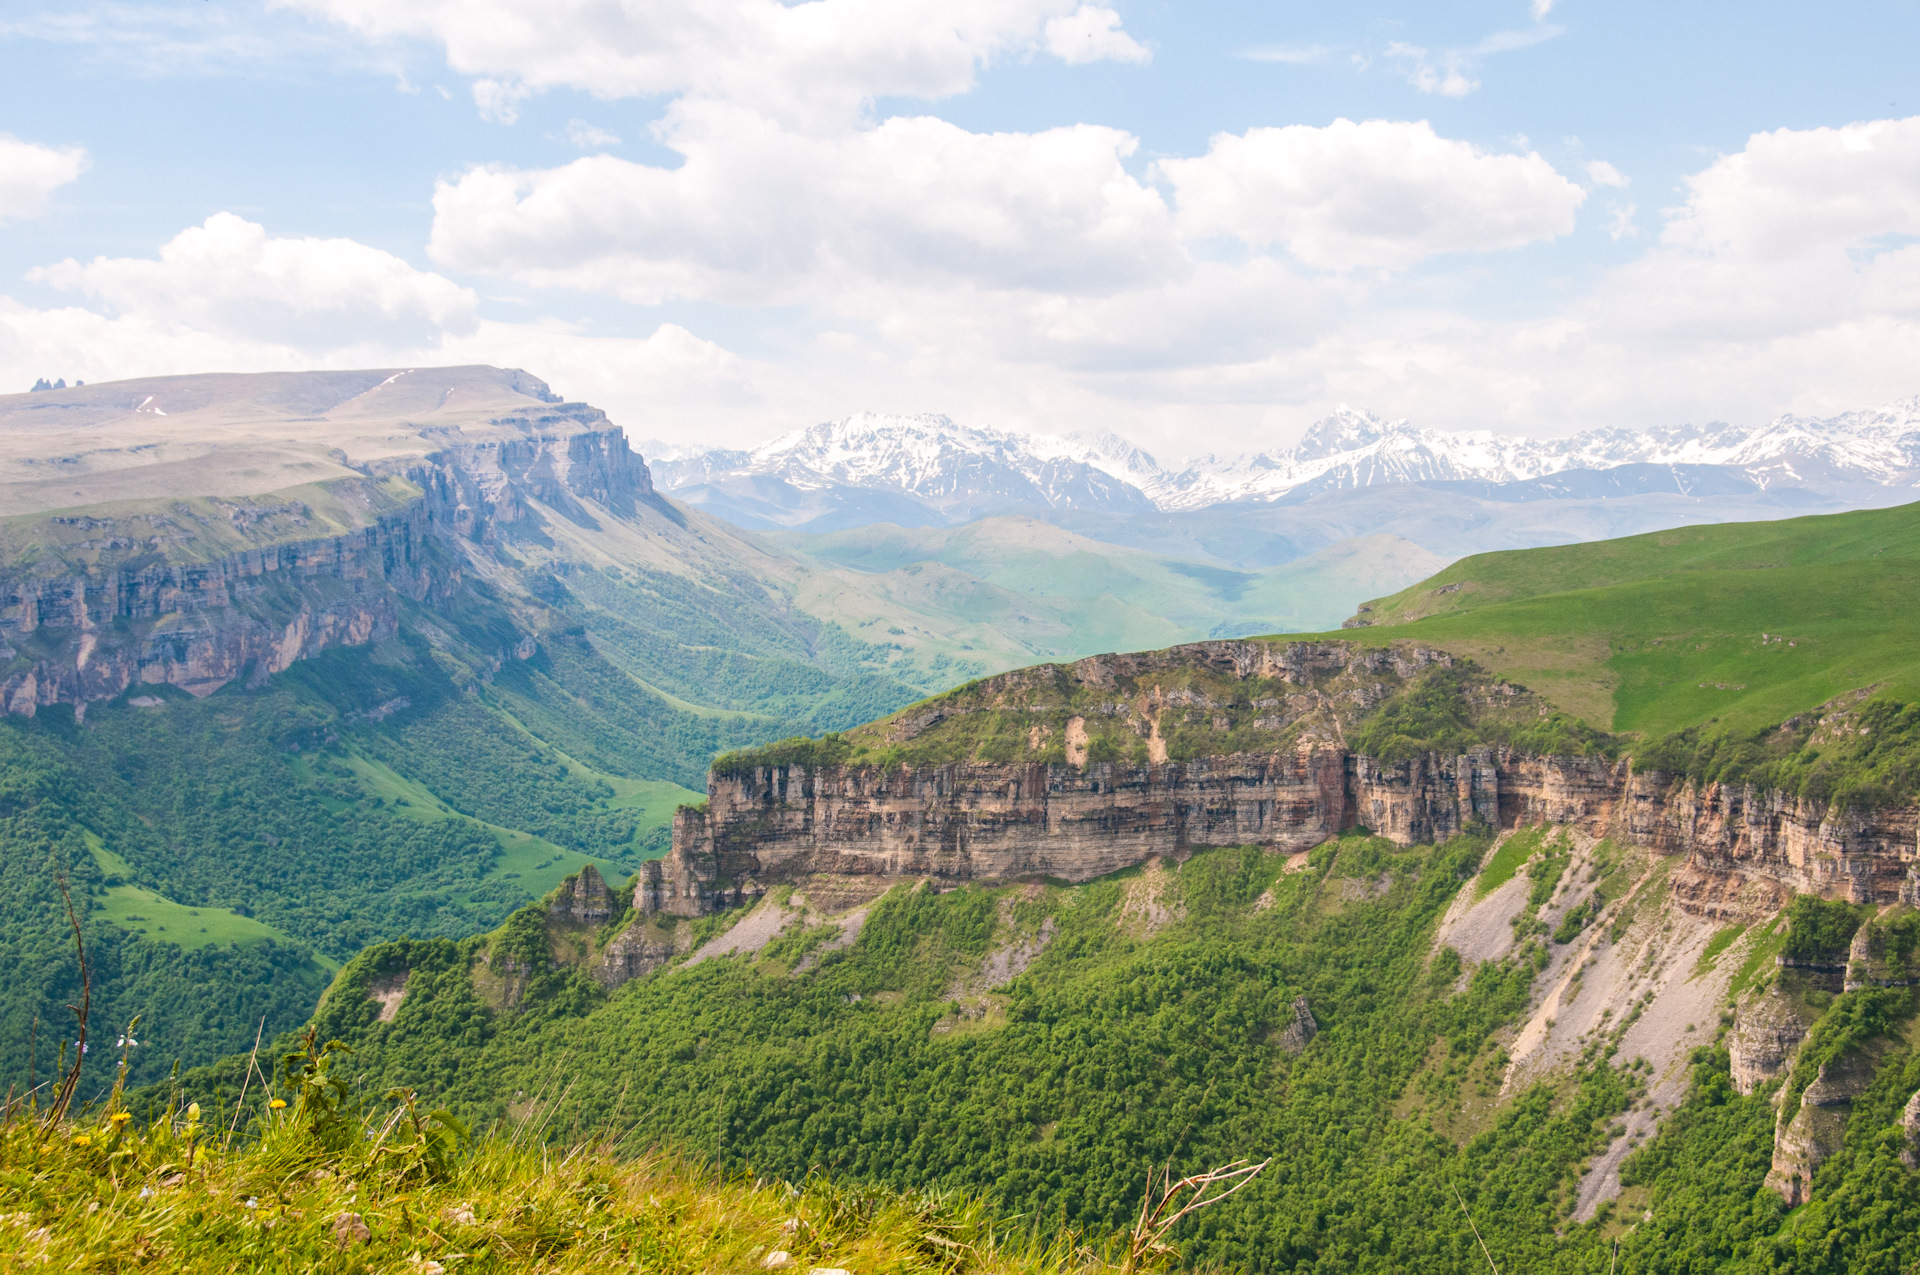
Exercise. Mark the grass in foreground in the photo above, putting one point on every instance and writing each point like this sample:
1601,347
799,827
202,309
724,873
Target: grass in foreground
321,1186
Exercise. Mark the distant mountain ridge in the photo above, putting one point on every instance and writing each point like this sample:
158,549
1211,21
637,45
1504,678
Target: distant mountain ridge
927,469
926,464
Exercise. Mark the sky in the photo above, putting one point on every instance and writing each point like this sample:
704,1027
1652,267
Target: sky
1200,225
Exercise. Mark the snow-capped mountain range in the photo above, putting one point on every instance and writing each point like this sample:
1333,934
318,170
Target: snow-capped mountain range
920,469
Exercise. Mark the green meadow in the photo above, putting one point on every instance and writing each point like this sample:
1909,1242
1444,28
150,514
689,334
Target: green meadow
533,863
1739,625
154,916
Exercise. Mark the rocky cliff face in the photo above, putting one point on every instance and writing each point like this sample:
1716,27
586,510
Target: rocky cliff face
89,636
982,821
135,604
1818,1127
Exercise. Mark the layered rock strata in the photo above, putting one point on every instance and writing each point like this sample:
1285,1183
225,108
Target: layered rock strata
1818,1128
75,639
135,605
1747,850
1767,1031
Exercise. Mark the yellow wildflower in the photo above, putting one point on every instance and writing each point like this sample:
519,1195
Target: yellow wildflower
121,1117
193,1111
277,1103
82,1140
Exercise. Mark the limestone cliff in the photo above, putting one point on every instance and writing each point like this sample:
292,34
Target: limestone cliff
1285,776
212,582
1815,1131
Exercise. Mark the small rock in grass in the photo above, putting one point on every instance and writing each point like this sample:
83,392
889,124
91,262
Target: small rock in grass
779,1259
350,1229
459,1214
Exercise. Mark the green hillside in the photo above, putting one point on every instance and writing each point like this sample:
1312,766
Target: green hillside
228,853
1154,1020
1125,1044
1705,650
1740,625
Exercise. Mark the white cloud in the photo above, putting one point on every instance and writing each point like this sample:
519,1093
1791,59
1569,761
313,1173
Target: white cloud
226,297
1092,34
1541,8
499,100
1449,72
1601,173
753,215
669,382
1620,221
29,174
1376,194
1445,77
229,279
1797,191
819,63
587,137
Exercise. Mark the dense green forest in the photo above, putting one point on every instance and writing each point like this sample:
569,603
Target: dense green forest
227,854
1125,1045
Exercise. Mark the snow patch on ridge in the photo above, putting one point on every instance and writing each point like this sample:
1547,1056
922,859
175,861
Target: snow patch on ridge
965,469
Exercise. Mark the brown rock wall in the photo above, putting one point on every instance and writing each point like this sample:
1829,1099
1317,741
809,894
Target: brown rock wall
76,633
1746,851
89,636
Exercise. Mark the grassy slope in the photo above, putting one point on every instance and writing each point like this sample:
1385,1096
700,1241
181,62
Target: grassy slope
1657,633
166,1196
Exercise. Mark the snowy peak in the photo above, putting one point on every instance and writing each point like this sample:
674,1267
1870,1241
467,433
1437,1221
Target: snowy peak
928,469
1347,430
922,453
913,469
1357,449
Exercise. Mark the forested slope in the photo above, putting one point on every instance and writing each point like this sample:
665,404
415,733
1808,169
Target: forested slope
1042,1045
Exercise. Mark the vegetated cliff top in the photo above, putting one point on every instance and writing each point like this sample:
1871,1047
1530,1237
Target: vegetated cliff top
269,455
1200,700
1778,653
1737,626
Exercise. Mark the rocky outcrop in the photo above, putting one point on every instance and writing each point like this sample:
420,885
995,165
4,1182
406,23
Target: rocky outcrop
1819,1127
197,626
1735,834
140,601
583,899
1301,1030
1767,1030
992,822
1885,951
637,950
1910,1125
481,490
1746,851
